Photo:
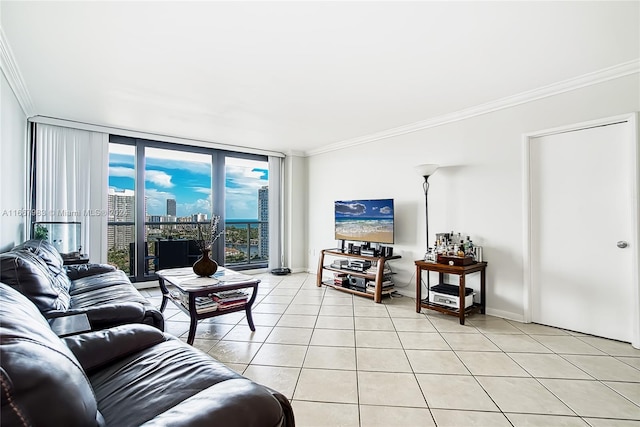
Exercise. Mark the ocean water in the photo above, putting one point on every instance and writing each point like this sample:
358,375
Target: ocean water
362,228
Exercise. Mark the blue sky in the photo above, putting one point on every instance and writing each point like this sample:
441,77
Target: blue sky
379,208
186,177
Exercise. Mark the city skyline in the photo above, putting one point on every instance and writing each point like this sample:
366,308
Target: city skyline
186,178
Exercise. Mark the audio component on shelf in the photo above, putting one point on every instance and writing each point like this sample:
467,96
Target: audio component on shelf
448,295
353,249
359,264
357,283
369,252
340,263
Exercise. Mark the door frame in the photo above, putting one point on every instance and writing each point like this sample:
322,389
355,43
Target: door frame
632,122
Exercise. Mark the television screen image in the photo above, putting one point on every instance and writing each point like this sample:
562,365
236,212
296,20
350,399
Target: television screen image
365,220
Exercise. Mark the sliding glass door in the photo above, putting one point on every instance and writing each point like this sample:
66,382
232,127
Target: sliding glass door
247,211
177,205
182,188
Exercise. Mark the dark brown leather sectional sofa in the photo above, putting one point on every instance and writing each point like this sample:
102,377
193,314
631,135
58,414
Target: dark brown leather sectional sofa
129,375
103,293
124,372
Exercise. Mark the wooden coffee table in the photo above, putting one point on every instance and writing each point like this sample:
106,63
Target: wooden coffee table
181,286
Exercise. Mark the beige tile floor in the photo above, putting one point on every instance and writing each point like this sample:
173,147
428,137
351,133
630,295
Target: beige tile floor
345,361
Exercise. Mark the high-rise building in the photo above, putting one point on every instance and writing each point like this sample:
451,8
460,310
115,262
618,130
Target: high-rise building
171,207
199,217
121,209
263,217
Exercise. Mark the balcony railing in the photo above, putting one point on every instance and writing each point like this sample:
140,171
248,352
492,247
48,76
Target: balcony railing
246,243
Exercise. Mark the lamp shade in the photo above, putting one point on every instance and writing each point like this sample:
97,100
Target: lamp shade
426,169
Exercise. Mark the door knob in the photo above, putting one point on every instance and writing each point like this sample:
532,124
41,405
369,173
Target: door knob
622,244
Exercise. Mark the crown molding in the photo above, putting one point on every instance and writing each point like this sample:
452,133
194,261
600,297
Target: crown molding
610,73
11,71
295,153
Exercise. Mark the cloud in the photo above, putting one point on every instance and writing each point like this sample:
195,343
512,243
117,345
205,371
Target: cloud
203,190
156,201
121,171
386,210
247,178
177,163
200,206
350,208
159,178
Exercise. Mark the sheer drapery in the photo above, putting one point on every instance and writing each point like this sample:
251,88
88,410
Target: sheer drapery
70,182
275,212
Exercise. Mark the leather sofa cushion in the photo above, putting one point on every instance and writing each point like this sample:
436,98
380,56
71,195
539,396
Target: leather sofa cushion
38,368
79,271
45,251
27,272
177,371
238,402
96,282
99,348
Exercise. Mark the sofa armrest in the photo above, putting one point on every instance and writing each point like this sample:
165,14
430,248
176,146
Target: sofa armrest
237,402
106,315
83,270
99,348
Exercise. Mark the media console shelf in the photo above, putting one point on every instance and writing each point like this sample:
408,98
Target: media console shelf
377,277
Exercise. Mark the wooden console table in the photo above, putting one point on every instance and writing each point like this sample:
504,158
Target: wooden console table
461,271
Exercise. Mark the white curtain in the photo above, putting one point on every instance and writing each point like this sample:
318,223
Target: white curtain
71,182
275,212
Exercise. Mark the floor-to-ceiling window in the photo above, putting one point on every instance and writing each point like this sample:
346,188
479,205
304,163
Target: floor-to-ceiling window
246,211
183,187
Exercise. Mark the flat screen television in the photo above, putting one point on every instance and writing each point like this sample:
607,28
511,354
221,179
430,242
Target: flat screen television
365,220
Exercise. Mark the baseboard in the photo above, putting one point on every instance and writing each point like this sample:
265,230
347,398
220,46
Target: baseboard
489,311
504,314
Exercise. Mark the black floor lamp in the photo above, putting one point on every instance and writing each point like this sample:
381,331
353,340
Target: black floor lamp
426,171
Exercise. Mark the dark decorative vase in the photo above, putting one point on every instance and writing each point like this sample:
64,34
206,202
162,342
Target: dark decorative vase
205,266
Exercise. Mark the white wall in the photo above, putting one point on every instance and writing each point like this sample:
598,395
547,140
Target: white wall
477,191
13,166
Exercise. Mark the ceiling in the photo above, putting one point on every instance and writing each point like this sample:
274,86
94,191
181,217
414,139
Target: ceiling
300,77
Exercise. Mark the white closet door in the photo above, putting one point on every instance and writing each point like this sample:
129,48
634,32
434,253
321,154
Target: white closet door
581,207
